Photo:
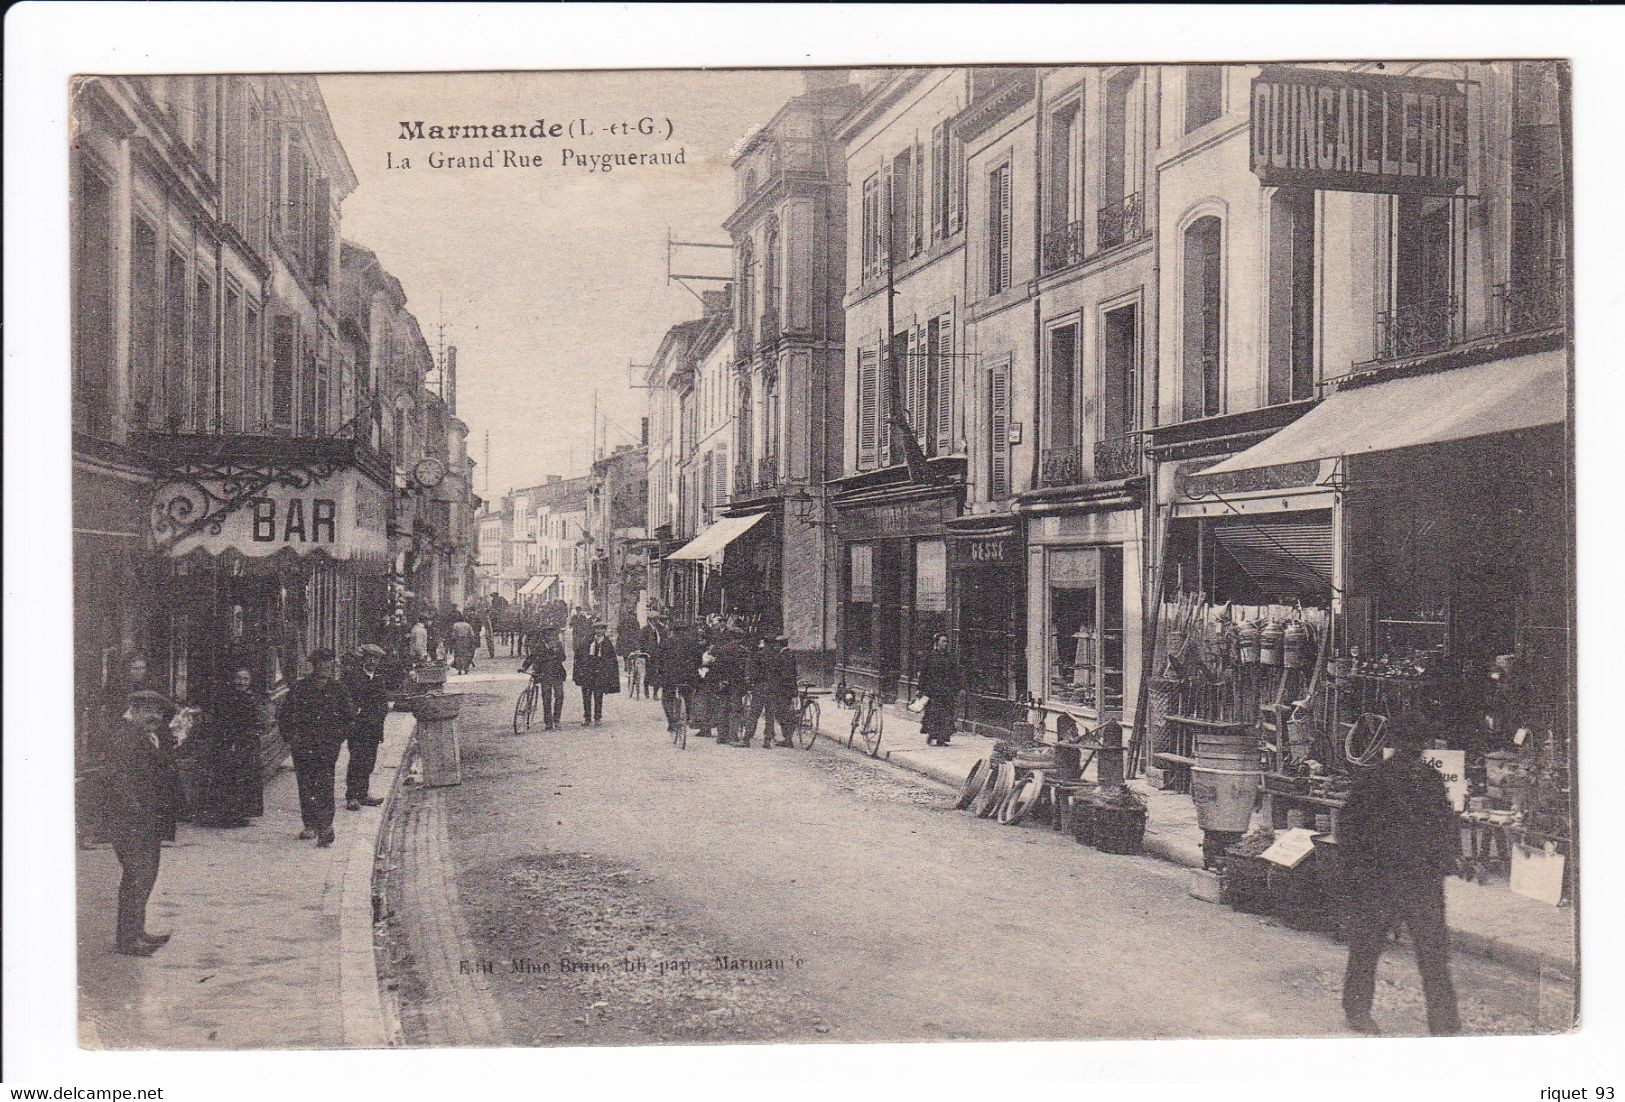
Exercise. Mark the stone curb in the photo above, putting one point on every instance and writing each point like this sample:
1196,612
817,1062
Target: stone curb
1534,962
365,1021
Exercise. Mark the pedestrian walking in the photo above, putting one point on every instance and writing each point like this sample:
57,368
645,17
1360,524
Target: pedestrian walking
729,681
545,664
463,642
597,672
420,639
651,640
939,682
773,692
674,664
134,744
370,694
230,755
316,718
1398,840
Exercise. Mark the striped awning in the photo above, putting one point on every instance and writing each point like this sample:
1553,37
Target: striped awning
715,538
538,584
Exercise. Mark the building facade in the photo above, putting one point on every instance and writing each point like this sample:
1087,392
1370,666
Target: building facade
788,232
617,552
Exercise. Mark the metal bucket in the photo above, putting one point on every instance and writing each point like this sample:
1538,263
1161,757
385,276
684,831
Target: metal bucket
1233,752
1224,797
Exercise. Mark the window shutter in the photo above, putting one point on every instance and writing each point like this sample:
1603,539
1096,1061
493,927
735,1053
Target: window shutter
1004,228
919,411
998,432
720,471
888,183
321,213
939,181
883,456
956,184
868,405
945,384
918,220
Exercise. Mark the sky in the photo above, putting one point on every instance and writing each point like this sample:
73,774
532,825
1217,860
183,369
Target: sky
550,281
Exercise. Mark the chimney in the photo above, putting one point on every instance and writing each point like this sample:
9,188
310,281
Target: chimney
717,302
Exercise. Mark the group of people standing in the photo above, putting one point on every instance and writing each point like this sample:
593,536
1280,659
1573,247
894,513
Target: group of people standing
141,734
722,681
595,669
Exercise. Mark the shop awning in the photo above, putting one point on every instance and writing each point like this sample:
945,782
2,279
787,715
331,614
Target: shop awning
539,583
715,538
1524,392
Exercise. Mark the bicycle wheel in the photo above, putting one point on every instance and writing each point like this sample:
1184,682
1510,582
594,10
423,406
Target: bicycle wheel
679,737
872,730
523,708
807,725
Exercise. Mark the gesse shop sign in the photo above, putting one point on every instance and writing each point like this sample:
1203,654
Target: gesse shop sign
1338,131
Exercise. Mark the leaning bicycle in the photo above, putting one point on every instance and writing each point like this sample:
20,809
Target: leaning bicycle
868,723
808,714
524,709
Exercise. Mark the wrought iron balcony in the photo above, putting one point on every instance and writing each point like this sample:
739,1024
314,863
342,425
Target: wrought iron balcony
1418,328
1118,457
1061,466
1120,222
1539,301
1063,247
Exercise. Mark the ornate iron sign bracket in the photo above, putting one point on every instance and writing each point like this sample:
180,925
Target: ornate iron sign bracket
196,495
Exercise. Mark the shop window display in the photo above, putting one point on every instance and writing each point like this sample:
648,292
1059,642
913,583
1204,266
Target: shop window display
1086,627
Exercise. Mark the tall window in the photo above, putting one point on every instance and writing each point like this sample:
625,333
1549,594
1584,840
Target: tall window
998,230
1065,183
1203,303
770,272
93,301
172,411
1061,399
1423,316
145,312
307,390
868,409
1120,368
255,139
744,280
916,206
205,366
871,226
707,487
947,181
282,369
900,190
1204,89
1536,295
941,344
860,598
1120,217
1292,295
998,432
231,325
254,409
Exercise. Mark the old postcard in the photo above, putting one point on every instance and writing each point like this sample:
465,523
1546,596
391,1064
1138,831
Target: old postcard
1122,515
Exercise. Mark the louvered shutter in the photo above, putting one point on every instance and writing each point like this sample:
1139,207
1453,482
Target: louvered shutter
956,184
720,471
917,222
888,182
939,182
919,411
998,432
1004,228
868,406
883,455
945,384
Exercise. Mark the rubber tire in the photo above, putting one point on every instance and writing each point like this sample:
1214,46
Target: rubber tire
871,735
521,713
807,720
972,786
1023,800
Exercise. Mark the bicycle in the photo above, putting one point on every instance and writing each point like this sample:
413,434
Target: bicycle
808,714
868,723
525,707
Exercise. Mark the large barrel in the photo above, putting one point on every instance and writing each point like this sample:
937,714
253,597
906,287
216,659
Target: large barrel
1224,797
1221,750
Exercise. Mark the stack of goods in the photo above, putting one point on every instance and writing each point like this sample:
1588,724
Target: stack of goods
1291,875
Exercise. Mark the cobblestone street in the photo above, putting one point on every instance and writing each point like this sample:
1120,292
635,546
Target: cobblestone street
605,888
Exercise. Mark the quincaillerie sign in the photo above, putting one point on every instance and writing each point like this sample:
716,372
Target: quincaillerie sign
1340,131
343,516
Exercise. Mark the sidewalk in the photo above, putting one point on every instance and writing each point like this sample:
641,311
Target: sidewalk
273,937
1485,920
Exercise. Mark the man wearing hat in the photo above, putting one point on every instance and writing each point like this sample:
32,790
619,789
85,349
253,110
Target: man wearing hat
1398,840
136,756
369,695
773,692
316,718
597,672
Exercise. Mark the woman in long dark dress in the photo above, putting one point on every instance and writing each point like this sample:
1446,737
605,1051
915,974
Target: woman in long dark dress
940,680
234,753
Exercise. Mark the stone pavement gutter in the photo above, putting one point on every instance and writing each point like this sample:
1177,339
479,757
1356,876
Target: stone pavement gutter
267,928
1486,921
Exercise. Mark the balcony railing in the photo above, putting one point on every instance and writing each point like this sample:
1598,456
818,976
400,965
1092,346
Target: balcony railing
1120,222
1118,457
1061,466
1538,302
1418,328
767,472
1063,247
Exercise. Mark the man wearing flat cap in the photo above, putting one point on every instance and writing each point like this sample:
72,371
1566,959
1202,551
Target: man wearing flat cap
369,694
597,672
136,757
316,718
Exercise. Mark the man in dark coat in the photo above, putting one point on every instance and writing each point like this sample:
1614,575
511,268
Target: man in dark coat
1398,840
675,664
545,664
727,683
939,681
316,718
370,694
134,747
597,672
654,637
773,693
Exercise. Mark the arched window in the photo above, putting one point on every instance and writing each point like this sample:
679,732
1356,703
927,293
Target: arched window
745,295
770,270
1292,295
1203,303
